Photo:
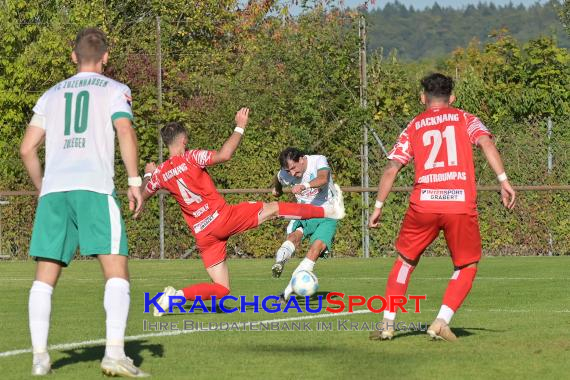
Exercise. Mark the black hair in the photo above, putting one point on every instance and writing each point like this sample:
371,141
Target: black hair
90,45
437,85
289,153
171,130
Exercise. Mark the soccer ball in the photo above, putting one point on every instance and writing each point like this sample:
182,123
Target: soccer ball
305,283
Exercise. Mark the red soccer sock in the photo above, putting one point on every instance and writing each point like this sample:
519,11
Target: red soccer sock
206,291
289,210
398,281
459,287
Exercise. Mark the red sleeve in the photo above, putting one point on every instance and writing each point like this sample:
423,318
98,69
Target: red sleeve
402,151
153,185
475,128
199,157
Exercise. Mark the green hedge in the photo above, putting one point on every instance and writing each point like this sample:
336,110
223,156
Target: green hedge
300,77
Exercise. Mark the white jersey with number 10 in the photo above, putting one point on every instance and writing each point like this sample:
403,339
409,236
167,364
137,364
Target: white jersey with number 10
78,115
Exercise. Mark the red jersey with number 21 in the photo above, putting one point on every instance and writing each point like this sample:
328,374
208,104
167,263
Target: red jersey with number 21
440,141
186,178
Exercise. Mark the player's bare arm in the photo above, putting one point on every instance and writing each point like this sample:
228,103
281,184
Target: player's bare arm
128,145
488,147
321,180
33,139
148,170
386,181
277,187
231,144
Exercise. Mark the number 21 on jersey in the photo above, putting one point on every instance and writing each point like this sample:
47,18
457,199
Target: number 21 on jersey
188,196
434,138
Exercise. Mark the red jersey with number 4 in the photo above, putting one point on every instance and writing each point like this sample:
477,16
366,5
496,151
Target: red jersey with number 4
440,141
186,178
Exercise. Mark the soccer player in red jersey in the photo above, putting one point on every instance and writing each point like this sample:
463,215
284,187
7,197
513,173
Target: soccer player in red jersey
211,220
444,197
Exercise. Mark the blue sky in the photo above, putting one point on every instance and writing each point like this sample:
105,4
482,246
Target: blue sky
420,4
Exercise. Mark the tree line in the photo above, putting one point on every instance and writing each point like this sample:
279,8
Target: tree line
437,31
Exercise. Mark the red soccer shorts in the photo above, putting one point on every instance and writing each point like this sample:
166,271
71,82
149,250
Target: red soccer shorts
233,219
461,233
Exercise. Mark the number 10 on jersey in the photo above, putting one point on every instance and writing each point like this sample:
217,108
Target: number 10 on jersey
81,112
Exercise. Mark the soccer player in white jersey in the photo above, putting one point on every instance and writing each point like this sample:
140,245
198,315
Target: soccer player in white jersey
311,181
77,204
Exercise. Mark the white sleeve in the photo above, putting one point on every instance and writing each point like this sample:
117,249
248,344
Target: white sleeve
121,103
38,119
40,106
322,163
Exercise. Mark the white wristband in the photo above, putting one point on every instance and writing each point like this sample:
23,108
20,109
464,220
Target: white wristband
502,177
378,204
135,181
147,175
239,130
307,185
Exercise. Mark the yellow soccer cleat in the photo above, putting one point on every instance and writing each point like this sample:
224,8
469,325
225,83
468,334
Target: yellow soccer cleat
439,330
121,367
387,332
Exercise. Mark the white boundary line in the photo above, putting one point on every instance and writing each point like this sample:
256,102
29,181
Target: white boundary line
70,346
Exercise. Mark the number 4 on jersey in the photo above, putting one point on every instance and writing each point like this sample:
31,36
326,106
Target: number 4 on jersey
188,196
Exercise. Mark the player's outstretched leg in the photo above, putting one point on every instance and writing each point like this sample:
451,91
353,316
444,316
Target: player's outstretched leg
288,210
117,300
163,301
397,285
205,290
220,287
457,290
39,307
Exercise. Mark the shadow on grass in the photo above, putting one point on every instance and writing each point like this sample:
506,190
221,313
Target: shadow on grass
458,331
133,350
467,331
293,347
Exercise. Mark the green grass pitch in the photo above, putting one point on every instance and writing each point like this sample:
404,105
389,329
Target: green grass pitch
515,324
